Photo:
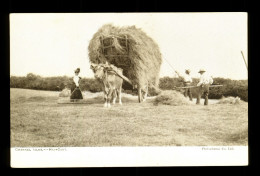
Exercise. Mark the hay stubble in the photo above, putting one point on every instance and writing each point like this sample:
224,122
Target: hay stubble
37,122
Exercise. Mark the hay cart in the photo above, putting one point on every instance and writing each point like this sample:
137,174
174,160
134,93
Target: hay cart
132,50
111,56
121,59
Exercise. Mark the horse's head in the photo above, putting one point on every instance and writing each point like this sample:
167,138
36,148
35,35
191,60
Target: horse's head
98,70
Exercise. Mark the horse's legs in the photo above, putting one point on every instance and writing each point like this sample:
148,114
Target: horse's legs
119,95
109,95
114,95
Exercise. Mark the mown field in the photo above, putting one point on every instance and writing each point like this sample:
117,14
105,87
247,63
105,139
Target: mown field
37,120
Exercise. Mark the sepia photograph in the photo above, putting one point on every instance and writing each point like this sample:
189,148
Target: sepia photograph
128,89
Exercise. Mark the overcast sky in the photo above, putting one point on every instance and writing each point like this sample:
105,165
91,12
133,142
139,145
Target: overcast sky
56,44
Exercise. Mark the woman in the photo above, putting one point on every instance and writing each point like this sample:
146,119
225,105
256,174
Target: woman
75,91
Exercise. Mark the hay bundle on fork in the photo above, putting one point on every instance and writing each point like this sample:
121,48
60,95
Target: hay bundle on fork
132,50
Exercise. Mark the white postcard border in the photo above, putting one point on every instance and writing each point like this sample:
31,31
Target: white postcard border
24,157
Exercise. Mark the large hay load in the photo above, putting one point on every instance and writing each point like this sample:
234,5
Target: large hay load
128,48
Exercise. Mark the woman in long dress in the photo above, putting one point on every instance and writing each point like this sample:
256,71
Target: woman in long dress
75,91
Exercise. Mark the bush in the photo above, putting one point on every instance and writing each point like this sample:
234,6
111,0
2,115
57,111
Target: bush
232,88
90,84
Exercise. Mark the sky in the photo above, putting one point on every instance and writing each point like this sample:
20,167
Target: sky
55,44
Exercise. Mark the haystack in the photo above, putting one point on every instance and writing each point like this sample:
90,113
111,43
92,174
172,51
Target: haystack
229,100
128,48
171,97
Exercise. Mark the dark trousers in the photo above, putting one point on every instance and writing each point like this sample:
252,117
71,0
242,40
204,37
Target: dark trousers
187,92
203,90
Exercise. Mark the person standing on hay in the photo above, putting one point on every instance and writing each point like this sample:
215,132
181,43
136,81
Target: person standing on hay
187,80
75,91
204,83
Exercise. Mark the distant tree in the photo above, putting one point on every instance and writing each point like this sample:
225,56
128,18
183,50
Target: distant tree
31,77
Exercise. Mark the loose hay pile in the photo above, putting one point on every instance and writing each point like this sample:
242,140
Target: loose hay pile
128,48
65,93
171,97
229,100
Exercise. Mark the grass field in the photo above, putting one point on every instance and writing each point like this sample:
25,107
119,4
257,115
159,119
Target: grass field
37,120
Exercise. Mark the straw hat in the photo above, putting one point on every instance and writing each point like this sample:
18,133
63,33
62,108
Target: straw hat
77,70
202,70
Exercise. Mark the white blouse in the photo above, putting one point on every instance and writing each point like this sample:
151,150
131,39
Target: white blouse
76,80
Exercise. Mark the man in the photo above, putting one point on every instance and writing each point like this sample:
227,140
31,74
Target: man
187,80
204,83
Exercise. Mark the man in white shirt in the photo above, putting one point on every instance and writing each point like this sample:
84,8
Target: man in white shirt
204,83
187,80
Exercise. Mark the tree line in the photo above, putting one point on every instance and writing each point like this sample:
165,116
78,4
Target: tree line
57,83
230,87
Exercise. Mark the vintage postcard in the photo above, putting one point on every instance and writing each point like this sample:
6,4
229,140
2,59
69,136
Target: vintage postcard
128,89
